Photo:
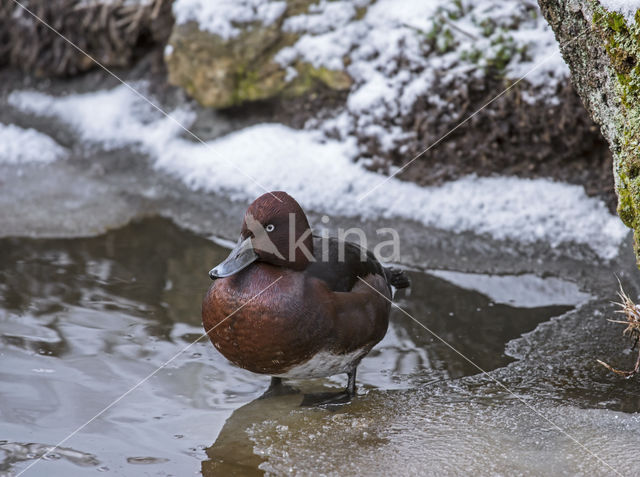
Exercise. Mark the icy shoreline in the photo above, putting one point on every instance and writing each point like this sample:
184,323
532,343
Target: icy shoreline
19,146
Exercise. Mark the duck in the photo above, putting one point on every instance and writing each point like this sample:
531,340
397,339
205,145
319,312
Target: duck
293,305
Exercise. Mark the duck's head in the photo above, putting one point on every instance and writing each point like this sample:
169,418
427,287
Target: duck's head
275,230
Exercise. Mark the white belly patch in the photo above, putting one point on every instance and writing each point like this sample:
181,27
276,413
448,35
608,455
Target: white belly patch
324,363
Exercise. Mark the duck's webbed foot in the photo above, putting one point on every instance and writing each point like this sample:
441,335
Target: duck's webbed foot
278,388
342,397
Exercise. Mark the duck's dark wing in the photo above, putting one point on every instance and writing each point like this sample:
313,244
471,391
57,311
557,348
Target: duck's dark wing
339,264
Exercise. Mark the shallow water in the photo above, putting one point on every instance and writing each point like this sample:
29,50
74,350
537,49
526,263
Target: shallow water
84,320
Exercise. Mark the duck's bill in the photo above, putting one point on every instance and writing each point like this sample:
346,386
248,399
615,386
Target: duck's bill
240,257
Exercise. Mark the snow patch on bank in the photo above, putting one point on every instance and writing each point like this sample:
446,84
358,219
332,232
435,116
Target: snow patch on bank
321,174
221,17
113,118
627,8
394,31
19,146
402,50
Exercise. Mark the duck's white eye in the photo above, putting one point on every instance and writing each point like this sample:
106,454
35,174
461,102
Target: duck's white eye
270,228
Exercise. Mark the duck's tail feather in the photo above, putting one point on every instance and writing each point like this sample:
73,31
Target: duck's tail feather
397,278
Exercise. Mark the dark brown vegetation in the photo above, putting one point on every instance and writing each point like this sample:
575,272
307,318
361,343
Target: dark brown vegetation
115,33
631,311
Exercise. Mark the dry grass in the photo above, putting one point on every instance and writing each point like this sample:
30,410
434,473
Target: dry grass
632,312
112,32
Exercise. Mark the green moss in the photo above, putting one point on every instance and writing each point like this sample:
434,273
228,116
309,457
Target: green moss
457,10
248,87
488,26
493,59
504,50
440,36
473,56
309,77
622,44
626,208
360,13
337,80
616,22
497,58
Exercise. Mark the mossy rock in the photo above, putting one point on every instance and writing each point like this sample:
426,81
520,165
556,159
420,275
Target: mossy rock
622,45
221,72
602,49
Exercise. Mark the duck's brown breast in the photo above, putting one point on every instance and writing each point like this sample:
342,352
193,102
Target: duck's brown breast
266,319
270,320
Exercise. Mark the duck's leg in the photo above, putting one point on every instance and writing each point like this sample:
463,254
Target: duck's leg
278,388
351,384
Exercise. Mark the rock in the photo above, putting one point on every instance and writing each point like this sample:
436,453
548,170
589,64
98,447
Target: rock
602,49
221,70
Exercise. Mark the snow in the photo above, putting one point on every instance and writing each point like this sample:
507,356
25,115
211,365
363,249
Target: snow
627,8
393,29
322,17
393,64
399,51
122,118
18,146
221,17
546,63
321,174
416,15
